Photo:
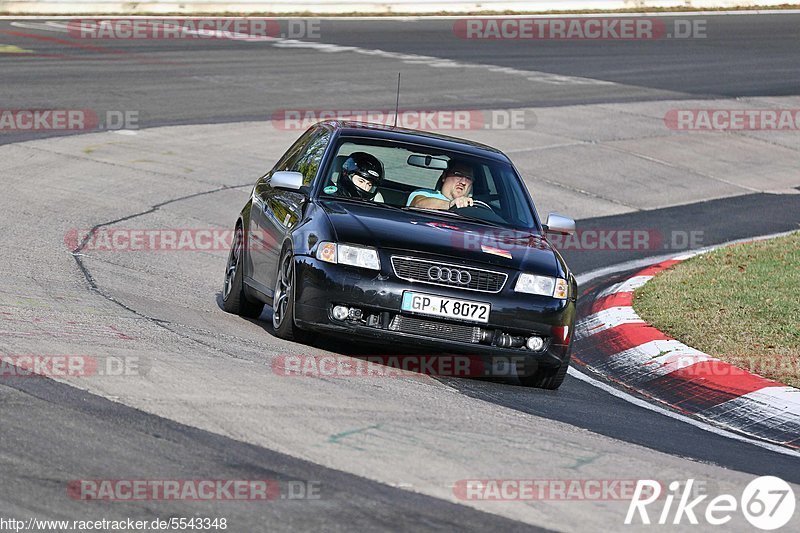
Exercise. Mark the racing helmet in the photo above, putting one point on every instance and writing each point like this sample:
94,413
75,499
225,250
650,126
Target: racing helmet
360,164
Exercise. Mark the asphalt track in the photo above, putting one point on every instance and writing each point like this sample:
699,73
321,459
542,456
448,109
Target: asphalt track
52,431
174,82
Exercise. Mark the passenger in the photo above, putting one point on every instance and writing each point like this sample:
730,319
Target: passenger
454,189
361,176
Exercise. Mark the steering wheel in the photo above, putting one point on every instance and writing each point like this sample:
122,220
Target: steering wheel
475,203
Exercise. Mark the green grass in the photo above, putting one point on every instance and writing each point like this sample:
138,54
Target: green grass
740,304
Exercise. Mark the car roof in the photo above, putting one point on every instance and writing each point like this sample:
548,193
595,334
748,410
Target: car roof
382,131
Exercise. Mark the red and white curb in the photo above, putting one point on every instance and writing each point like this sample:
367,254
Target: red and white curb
616,343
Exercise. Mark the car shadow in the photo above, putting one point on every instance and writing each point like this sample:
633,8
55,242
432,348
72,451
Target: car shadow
391,357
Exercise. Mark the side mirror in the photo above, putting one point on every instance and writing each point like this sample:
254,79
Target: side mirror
286,179
559,224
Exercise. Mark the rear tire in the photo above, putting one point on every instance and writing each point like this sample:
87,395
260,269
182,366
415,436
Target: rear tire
234,299
283,300
547,377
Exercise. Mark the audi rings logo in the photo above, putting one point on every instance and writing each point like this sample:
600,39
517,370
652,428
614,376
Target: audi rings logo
449,275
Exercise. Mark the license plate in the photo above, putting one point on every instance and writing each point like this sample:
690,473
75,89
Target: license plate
432,305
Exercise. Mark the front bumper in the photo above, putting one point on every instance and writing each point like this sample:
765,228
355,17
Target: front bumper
319,286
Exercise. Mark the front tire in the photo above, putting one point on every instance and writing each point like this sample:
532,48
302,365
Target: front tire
283,300
234,299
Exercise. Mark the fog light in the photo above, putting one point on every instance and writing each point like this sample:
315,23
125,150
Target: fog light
354,314
341,312
535,343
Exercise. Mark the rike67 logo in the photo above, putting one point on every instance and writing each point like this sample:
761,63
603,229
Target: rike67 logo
767,503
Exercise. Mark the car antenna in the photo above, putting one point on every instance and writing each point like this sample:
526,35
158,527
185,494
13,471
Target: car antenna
397,102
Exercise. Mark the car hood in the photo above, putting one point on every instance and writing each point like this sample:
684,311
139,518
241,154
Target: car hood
442,235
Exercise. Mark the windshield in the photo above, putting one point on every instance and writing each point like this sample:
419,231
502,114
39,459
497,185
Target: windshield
421,177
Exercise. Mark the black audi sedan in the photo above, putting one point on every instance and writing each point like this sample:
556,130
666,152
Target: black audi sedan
405,238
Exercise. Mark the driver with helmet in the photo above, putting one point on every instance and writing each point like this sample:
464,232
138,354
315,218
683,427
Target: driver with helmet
361,176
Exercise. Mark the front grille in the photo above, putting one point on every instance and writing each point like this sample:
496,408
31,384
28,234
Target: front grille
438,330
478,279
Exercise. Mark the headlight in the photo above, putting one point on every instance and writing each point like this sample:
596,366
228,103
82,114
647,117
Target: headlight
347,254
544,285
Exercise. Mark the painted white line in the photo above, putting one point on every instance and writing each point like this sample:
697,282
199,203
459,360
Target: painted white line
328,48
58,24
42,26
414,59
439,62
688,255
629,285
592,275
577,374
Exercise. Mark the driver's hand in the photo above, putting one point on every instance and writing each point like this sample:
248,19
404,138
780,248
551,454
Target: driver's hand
462,201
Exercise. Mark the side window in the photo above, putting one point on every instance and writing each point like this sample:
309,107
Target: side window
307,163
295,151
515,209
